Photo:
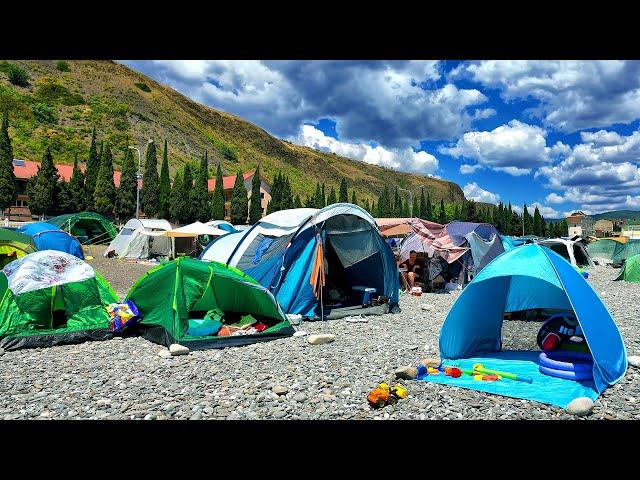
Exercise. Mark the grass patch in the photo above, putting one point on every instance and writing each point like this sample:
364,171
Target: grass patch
143,86
52,92
16,74
63,66
43,113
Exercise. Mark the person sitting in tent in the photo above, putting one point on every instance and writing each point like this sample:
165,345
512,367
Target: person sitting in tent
415,268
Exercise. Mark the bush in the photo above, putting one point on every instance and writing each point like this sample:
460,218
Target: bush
121,124
63,66
51,92
229,153
143,86
17,75
43,113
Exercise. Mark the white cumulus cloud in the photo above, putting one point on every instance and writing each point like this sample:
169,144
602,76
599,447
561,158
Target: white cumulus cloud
472,191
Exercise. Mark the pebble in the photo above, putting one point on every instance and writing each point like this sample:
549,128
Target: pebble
177,349
1,351
634,361
300,333
321,339
427,306
280,390
164,353
580,406
406,373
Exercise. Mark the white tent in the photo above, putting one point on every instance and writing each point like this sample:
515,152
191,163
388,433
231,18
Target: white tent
573,251
196,229
142,238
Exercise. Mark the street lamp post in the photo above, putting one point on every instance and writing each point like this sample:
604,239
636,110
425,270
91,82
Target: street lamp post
410,201
138,177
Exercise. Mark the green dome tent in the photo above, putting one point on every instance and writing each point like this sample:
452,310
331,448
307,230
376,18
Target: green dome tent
88,227
14,245
171,294
52,298
631,270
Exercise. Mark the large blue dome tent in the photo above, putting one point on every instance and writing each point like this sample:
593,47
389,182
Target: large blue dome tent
286,250
49,237
525,278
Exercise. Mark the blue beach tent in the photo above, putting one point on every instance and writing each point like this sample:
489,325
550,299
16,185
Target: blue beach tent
524,278
49,237
280,250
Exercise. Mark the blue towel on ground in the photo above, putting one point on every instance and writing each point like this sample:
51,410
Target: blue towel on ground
544,389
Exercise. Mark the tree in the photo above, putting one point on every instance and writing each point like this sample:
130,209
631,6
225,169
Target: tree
527,222
276,194
353,198
104,196
317,198
150,194
239,201
164,196
471,214
537,223
176,204
373,210
323,197
422,208
431,214
91,173
367,206
127,190
286,195
7,177
217,203
416,207
343,197
188,208
396,208
296,202
75,188
332,197
202,204
42,187
255,210
442,214
385,209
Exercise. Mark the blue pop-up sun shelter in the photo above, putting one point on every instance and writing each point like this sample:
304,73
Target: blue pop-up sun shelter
525,278
280,251
49,237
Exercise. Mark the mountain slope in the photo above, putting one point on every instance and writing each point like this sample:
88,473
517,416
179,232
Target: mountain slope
60,107
633,215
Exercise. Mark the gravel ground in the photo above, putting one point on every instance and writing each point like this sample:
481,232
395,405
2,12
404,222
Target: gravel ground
126,379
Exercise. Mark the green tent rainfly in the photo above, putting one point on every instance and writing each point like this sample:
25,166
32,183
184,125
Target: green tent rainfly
88,227
52,298
14,245
630,271
171,294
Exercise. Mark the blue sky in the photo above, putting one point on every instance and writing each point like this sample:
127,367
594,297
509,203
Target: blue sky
562,135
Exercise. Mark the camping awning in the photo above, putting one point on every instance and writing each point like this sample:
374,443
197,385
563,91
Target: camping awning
194,230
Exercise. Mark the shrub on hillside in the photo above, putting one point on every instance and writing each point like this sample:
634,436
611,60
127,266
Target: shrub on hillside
63,66
143,86
43,113
52,92
17,75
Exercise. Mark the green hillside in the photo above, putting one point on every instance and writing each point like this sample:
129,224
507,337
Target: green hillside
64,100
632,215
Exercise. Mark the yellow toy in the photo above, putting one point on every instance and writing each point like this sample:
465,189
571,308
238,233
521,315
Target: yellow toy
433,371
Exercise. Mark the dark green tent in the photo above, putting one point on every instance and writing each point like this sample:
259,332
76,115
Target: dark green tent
88,227
14,245
185,289
630,271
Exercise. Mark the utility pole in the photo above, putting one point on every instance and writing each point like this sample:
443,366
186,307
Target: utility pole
139,177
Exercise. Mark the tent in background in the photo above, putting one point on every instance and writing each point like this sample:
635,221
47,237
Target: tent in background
14,245
88,227
49,237
142,238
525,278
52,298
281,253
630,271
172,294
572,251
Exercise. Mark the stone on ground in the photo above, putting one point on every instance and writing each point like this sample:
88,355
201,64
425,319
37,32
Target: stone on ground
321,338
406,373
177,349
580,406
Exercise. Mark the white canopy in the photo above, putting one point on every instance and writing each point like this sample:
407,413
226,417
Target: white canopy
195,229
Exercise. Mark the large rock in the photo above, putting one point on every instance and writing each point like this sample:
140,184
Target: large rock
634,361
321,338
164,353
406,373
580,406
430,362
177,349
280,390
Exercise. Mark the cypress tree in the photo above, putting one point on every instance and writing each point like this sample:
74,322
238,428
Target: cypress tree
344,195
317,201
431,214
471,214
422,209
323,197
104,196
176,205
239,202
397,205
442,214
91,173
150,193
296,202
164,196
202,204
217,202
127,190
42,187
188,208
75,189
526,219
332,197
353,198
416,207
276,195
366,206
255,210
537,223
286,201
373,211
7,177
